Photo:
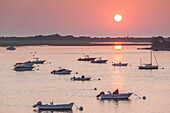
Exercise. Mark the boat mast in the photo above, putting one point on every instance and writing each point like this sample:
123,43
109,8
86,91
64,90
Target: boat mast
151,56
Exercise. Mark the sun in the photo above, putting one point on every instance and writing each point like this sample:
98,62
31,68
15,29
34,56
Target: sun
118,17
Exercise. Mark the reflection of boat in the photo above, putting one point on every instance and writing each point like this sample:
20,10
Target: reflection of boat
52,106
82,78
11,48
86,58
149,66
120,64
61,71
118,96
55,111
99,60
37,61
23,66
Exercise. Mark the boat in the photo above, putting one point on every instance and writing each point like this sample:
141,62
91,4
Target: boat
99,60
37,61
53,106
114,96
23,66
11,48
120,64
149,66
61,71
82,78
86,58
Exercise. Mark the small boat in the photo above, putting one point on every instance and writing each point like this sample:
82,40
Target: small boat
99,60
37,61
120,64
82,78
61,71
115,95
52,106
23,67
11,48
149,66
86,58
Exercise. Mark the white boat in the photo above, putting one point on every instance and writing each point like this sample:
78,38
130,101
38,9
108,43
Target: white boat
61,71
82,78
23,66
99,60
52,106
86,58
150,65
11,48
120,64
118,96
37,61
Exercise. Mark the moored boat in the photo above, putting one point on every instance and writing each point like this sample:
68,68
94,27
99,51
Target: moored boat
37,61
99,60
114,96
120,64
61,71
52,106
86,58
23,66
149,66
11,48
82,78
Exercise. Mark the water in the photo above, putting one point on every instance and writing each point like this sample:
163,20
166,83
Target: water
20,90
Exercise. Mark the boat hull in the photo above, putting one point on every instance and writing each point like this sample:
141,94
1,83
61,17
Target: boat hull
122,96
56,107
99,61
81,79
86,59
148,67
23,68
123,64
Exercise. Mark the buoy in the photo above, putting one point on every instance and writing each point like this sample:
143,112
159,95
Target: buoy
81,108
144,97
99,79
76,72
95,88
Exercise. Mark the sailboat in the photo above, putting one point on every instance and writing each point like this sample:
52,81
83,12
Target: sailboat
150,65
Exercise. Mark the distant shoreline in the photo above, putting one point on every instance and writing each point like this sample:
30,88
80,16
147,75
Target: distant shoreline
69,40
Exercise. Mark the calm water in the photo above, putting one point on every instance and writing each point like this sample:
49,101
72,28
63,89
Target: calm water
20,90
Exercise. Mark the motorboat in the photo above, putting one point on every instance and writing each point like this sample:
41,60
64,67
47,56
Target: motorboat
82,78
53,106
23,66
99,60
120,64
61,71
37,61
11,48
114,96
149,66
86,58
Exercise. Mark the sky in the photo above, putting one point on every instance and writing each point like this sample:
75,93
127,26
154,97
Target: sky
84,17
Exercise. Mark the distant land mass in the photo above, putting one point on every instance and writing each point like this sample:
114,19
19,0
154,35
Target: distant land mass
70,40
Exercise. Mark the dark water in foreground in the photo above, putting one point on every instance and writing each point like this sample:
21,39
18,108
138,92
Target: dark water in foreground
20,90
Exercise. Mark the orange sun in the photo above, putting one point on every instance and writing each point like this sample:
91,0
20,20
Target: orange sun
118,17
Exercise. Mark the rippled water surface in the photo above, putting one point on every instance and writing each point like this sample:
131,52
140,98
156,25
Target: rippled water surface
20,90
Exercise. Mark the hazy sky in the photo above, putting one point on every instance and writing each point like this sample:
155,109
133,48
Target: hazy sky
84,17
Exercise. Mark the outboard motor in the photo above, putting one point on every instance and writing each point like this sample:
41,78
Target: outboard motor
99,94
38,103
52,72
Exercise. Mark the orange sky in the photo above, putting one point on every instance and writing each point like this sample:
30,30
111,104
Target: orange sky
84,17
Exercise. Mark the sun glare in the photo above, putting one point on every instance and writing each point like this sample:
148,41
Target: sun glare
118,17
117,47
